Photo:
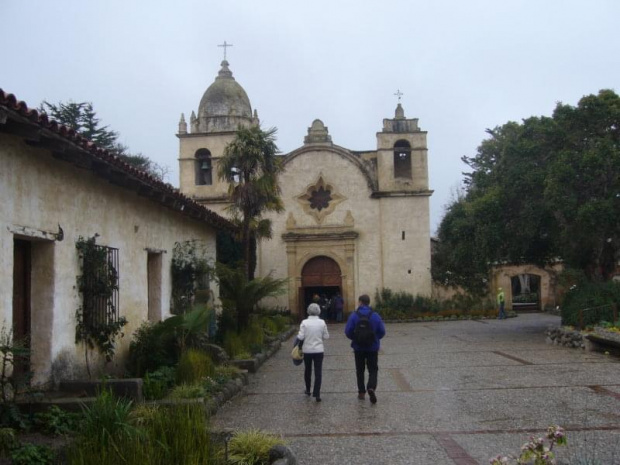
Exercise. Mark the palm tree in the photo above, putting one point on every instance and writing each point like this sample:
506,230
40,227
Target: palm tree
239,293
251,166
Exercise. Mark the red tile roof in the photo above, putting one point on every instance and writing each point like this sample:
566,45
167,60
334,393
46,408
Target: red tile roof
164,193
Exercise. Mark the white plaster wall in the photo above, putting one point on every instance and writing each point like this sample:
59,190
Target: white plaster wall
406,263
40,192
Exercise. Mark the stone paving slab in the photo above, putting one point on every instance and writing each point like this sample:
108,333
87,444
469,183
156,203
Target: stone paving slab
600,447
452,393
333,381
430,412
364,450
508,376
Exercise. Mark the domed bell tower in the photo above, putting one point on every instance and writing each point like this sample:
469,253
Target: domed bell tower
223,108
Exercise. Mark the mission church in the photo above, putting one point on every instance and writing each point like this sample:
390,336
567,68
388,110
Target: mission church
354,221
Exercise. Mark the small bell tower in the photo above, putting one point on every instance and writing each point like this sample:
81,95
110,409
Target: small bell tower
402,154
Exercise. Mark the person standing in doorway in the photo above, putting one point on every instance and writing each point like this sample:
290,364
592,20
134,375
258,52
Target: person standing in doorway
365,328
501,300
338,306
324,305
312,333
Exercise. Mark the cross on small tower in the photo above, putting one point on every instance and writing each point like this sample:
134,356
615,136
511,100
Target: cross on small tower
225,45
399,94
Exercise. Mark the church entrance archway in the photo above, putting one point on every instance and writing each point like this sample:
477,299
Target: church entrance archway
321,276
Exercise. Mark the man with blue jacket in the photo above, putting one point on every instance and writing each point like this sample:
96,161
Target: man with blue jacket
365,328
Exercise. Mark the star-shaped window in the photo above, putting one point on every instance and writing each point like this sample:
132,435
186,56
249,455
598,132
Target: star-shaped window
320,199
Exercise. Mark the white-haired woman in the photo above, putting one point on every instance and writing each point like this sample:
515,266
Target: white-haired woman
312,332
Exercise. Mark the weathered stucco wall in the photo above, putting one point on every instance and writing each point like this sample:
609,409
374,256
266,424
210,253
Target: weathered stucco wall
41,193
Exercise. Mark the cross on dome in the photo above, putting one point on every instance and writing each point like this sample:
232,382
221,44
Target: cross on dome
399,94
225,45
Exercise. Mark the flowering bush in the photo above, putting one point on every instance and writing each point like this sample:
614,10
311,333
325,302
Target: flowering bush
536,451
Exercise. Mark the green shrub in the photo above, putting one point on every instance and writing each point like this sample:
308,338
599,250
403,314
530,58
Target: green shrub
269,326
57,422
253,336
8,441
402,304
282,322
157,384
30,454
252,447
152,347
233,344
193,366
600,297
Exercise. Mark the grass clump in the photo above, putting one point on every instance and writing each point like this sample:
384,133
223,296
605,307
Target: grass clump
160,436
252,447
233,344
194,365
188,391
107,419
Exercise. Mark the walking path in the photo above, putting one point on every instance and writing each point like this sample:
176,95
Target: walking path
449,393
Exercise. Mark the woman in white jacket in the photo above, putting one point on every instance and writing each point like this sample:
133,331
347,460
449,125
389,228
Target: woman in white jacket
312,332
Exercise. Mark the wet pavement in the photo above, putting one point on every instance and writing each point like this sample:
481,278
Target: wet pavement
454,392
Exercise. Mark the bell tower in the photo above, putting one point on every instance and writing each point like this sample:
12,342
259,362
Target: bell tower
223,108
402,155
403,195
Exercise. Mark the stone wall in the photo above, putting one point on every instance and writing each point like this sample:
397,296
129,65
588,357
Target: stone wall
565,337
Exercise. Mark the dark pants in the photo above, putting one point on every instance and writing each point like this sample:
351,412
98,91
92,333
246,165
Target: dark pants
365,360
317,359
502,313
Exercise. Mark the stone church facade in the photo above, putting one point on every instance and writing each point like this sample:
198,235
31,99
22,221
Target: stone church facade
355,221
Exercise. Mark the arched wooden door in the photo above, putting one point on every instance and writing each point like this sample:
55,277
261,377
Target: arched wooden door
320,276
321,272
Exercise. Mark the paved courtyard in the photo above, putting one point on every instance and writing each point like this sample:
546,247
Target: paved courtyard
449,393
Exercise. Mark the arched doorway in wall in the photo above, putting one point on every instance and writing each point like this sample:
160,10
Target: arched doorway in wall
525,290
320,276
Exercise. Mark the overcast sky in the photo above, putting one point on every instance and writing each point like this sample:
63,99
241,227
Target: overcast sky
463,66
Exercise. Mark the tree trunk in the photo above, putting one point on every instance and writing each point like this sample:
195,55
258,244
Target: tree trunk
243,314
253,257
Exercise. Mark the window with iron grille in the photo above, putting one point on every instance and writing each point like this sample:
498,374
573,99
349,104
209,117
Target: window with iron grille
98,285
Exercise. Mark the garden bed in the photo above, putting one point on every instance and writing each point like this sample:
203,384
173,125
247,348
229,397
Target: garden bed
253,364
597,339
427,319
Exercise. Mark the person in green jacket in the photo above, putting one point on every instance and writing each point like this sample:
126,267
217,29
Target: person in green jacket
501,299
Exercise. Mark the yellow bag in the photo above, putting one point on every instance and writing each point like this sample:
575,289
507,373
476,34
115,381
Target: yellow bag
297,353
